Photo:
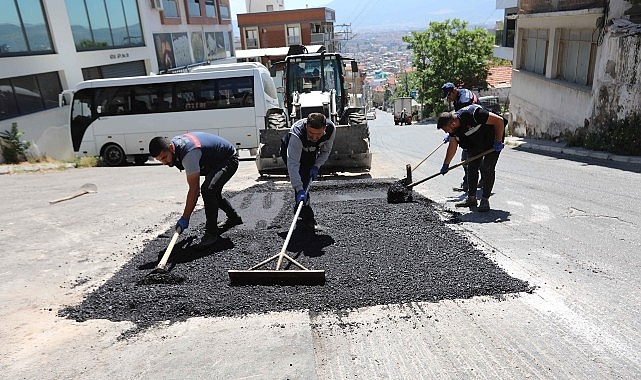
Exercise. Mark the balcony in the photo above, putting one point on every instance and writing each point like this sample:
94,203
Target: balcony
319,38
544,6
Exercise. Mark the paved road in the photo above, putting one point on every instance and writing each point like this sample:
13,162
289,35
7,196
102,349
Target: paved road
569,227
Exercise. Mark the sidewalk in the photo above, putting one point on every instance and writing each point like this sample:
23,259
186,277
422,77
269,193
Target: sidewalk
26,167
538,145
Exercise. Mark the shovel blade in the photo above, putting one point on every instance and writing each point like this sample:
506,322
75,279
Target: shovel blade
276,277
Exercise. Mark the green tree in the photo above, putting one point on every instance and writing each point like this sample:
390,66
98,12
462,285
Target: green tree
449,52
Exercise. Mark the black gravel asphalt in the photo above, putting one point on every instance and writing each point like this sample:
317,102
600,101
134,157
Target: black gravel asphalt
373,253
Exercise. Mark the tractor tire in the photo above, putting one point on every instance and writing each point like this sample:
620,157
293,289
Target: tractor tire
276,121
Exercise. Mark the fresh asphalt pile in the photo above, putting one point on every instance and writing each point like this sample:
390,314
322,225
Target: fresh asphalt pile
373,253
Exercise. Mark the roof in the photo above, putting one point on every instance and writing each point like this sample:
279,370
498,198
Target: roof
500,76
270,52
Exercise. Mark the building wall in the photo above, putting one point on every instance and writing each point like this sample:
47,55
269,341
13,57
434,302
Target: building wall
544,106
272,26
49,130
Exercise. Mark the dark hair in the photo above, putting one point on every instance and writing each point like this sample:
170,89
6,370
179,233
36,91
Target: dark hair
158,145
444,118
316,120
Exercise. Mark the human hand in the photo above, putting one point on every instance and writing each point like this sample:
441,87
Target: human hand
445,168
182,224
301,196
314,172
446,138
498,146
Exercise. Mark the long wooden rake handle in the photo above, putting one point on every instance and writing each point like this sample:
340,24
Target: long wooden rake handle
452,167
428,156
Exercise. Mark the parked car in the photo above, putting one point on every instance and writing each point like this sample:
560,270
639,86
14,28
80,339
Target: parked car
371,115
491,103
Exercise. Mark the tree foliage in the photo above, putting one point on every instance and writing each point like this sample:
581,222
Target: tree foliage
449,52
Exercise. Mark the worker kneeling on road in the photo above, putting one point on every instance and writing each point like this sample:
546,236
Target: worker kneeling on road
477,130
305,149
208,155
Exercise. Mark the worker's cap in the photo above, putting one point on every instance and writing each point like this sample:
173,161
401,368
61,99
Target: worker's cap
447,88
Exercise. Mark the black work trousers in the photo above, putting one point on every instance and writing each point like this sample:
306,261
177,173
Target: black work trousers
212,189
488,163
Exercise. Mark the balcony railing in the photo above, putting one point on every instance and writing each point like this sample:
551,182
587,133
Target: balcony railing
318,38
543,6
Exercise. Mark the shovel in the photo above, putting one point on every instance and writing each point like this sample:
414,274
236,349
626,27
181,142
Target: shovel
85,189
161,267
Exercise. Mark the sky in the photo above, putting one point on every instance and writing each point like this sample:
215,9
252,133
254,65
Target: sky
398,13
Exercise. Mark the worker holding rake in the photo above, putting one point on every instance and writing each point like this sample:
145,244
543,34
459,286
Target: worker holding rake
208,155
477,130
305,149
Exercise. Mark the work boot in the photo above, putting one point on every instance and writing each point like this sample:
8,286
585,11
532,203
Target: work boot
230,222
469,202
208,239
462,187
484,206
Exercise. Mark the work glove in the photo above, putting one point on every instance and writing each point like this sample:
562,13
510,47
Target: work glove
498,146
182,224
301,196
446,139
444,168
313,172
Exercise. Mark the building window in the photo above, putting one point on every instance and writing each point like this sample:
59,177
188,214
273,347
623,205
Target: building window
103,24
577,55
170,9
293,35
534,47
251,38
25,30
225,13
201,12
28,94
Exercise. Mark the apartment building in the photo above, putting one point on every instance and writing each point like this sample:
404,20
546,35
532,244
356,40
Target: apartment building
575,65
48,46
308,26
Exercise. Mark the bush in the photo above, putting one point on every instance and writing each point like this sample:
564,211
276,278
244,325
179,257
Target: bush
14,150
617,136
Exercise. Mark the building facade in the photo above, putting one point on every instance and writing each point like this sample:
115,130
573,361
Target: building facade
576,66
50,45
308,26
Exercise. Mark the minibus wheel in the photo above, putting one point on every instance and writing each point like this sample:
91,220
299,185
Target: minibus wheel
113,155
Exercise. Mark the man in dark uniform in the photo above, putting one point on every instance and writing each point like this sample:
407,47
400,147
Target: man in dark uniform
477,130
461,97
201,154
306,147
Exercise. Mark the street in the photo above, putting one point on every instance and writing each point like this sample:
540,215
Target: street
568,227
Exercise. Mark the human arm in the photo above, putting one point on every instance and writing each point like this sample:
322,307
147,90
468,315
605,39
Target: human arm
498,124
294,150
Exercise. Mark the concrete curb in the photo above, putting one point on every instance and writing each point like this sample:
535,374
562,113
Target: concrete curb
561,148
28,168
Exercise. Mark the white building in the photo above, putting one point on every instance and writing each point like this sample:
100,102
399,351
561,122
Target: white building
575,66
47,46
255,6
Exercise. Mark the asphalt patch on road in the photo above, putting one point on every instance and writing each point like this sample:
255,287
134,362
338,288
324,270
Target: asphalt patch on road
372,252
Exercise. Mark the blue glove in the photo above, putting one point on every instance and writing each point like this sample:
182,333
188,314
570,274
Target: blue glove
444,168
446,138
314,172
182,224
498,146
301,196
